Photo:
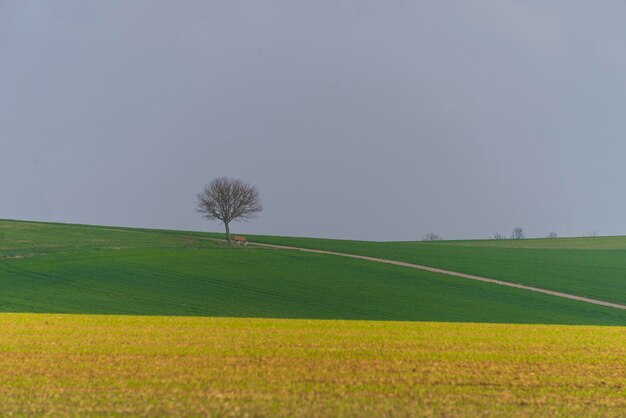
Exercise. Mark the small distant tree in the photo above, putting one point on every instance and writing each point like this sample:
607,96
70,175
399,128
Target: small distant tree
553,235
432,237
229,200
498,236
518,233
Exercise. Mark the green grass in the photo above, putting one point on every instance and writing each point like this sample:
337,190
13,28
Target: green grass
86,365
592,267
52,268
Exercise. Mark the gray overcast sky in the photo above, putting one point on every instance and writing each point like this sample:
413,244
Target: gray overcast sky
358,119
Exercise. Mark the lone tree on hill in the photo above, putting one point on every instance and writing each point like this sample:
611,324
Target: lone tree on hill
229,200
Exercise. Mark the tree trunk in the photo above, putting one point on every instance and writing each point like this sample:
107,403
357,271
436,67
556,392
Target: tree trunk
227,232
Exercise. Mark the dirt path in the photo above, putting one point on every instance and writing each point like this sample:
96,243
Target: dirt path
451,273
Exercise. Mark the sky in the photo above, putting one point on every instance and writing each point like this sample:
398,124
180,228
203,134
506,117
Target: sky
356,119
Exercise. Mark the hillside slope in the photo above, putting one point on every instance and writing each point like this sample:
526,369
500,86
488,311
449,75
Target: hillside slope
81,269
589,267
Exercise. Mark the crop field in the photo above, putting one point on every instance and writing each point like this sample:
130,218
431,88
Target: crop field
48,268
591,267
156,366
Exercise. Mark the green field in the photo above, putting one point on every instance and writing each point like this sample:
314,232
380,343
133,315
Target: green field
53,268
591,267
66,365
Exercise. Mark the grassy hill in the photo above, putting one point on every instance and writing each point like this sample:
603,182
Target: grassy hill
591,267
53,268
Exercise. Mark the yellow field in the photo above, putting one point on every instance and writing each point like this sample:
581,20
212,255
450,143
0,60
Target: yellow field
108,365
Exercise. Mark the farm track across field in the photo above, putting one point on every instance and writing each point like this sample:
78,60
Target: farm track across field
449,273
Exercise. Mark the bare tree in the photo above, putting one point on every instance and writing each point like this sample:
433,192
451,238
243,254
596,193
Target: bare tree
518,233
432,237
553,235
498,236
229,200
